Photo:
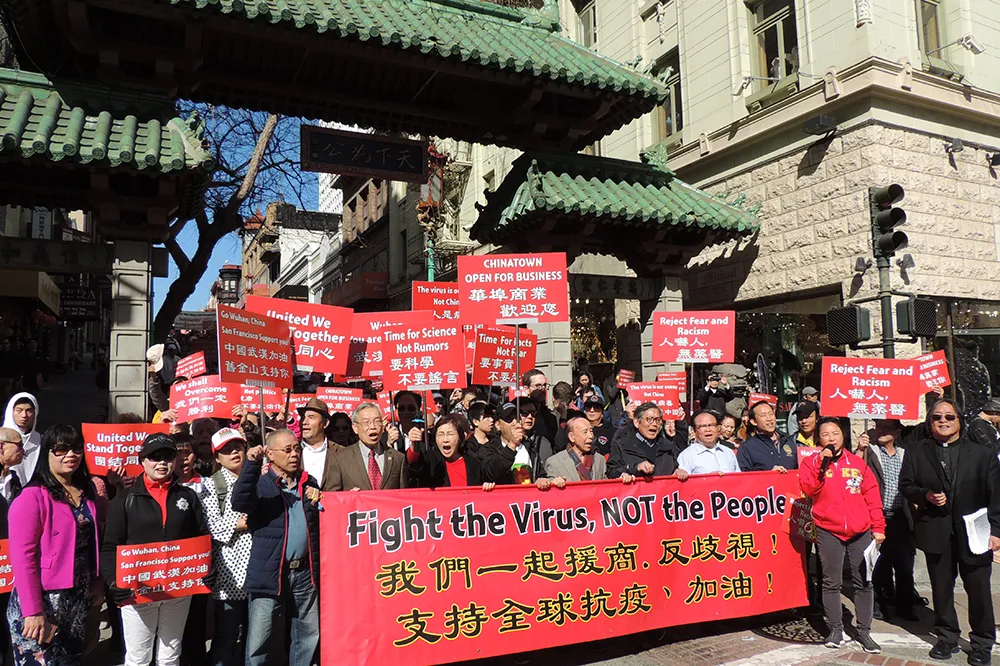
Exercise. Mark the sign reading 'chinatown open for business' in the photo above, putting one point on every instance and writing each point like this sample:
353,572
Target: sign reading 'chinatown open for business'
458,574
694,337
254,349
871,388
321,332
513,288
423,356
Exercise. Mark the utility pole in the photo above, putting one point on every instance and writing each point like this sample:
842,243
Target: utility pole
429,207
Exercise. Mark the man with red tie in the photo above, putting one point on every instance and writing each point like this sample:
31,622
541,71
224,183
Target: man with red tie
367,464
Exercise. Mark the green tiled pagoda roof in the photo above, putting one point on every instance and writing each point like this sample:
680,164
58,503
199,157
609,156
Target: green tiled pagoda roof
37,120
469,31
628,194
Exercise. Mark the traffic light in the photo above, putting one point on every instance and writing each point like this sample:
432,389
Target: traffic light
917,317
886,238
848,325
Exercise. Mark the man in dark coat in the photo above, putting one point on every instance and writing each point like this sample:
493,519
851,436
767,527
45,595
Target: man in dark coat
640,449
283,575
715,395
768,449
947,477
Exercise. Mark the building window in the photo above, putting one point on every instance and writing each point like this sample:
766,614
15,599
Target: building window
586,23
928,32
274,270
403,255
669,116
776,51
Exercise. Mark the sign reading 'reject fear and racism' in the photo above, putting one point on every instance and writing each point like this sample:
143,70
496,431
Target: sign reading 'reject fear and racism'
458,574
254,349
106,446
513,288
871,388
694,337
321,332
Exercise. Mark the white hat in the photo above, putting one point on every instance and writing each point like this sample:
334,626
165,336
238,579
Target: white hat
224,436
154,355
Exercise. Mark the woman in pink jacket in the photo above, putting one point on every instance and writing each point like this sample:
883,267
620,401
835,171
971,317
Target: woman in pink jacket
54,545
847,512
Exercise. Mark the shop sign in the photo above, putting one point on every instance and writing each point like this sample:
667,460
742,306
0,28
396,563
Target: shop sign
77,304
871,388
328,150
694,337
513,288
41,224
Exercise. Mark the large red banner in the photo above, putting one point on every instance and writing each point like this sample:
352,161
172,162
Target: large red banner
870,388
694,337
663,394
365,358
425,355
321,332
513,288
493,359
451,574
6,568
206,396
254,349
116,445
339,399
933,371
191,366
166,569
441,298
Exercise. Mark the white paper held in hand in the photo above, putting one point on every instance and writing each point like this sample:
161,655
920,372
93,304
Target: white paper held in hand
977,526
871,557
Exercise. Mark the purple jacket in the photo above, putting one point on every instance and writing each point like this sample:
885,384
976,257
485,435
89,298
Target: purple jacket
42,545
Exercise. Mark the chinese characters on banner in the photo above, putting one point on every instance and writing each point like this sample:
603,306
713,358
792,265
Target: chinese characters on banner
626,376
663,394
339,399
493,355
365,356
871,388
678,378
933,371
519,570
513,288
321,332
206,396
441,298
254,349
694,337
106,446
6,569
274,400
428,355
763,397
165,570
191,366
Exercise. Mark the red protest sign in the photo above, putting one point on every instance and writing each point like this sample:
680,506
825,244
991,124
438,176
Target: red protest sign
116,445
513,288
764,397
662,394
870,388
191,366
493,359
299,400
678,378
6,568
365,358
626,559
165,570
274,400
933,370
798,519
441,298
321,332
694,337
339,399
626,376
206,396
254,349
428,355
385,403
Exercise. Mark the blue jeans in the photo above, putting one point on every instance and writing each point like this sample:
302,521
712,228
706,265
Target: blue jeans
299,599
230,628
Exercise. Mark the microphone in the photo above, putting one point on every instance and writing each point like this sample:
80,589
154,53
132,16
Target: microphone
826,461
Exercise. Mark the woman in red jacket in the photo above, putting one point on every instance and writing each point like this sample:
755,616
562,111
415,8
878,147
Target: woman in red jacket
847,512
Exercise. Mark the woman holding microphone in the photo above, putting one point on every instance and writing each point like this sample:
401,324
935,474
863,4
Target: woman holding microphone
847,512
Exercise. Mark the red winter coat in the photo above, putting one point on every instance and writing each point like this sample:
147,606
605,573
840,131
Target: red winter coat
846,500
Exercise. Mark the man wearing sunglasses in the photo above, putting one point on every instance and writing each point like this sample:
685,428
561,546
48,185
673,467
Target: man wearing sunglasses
408,405
946,477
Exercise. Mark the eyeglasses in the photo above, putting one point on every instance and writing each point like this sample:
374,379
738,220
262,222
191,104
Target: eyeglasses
706,426
652,420
60,450
535,387
368,424
17,443
163,455
288,450
528,412
943,417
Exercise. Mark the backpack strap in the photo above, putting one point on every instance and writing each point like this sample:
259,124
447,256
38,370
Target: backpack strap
221,490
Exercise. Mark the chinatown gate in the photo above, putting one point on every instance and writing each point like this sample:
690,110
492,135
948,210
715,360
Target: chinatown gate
464,69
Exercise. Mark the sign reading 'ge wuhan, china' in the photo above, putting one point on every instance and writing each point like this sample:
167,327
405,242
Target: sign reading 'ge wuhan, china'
454,573
253,349
513,288
694,337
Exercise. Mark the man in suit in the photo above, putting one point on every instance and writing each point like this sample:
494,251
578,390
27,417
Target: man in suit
368,464
946,477
314,418
577,462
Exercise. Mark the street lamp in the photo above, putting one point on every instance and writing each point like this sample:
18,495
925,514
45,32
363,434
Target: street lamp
431,200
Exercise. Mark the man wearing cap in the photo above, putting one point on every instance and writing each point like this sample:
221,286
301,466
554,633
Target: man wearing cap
809,394
982,428
368,464
806,414
510,460
593,409
157,507
230,547
716,394
316,450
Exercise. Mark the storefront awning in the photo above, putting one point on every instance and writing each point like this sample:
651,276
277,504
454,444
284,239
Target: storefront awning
33,285
636,211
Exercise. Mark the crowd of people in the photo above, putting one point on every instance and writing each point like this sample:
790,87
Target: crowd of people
255,485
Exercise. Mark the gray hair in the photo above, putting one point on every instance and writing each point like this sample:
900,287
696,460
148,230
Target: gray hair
645,407
276,434
362,407
10,435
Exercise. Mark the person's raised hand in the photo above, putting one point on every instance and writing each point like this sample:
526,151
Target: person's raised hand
255,453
